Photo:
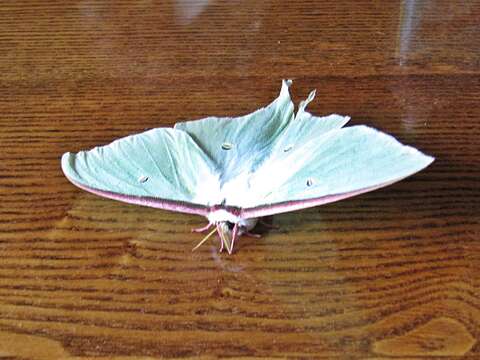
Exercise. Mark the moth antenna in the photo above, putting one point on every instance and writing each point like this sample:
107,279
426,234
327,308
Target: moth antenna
223,240
234,236
220,236
204,228
204,239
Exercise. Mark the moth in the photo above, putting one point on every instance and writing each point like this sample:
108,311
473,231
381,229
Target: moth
236,170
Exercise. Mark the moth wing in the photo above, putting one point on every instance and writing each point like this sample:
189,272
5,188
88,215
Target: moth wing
339,164
305,127
239,144
162,168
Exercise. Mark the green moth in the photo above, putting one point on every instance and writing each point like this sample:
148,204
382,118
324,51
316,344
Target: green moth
236,170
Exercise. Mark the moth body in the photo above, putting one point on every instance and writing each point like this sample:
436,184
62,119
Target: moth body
218,214
228,226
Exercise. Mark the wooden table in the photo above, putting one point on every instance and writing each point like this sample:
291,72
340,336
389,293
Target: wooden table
392,273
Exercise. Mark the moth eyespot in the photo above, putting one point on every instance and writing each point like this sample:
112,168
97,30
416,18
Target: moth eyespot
143,179
227,146
309,182
288,148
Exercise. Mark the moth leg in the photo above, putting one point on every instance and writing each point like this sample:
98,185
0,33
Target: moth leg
204,228
220,236
249,234
267,225
234,236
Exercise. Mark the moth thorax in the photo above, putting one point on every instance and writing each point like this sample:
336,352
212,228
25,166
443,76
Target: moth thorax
243,225
222,215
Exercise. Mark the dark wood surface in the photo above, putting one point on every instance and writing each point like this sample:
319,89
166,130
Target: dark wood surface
389,274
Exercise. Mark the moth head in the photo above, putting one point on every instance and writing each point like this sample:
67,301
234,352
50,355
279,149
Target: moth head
227,231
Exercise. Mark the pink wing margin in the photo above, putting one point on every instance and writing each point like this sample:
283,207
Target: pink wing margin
293,205
178,206
247,213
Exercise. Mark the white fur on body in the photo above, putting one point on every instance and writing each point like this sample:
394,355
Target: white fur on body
218,216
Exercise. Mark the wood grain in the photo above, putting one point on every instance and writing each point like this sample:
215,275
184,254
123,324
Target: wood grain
389,274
